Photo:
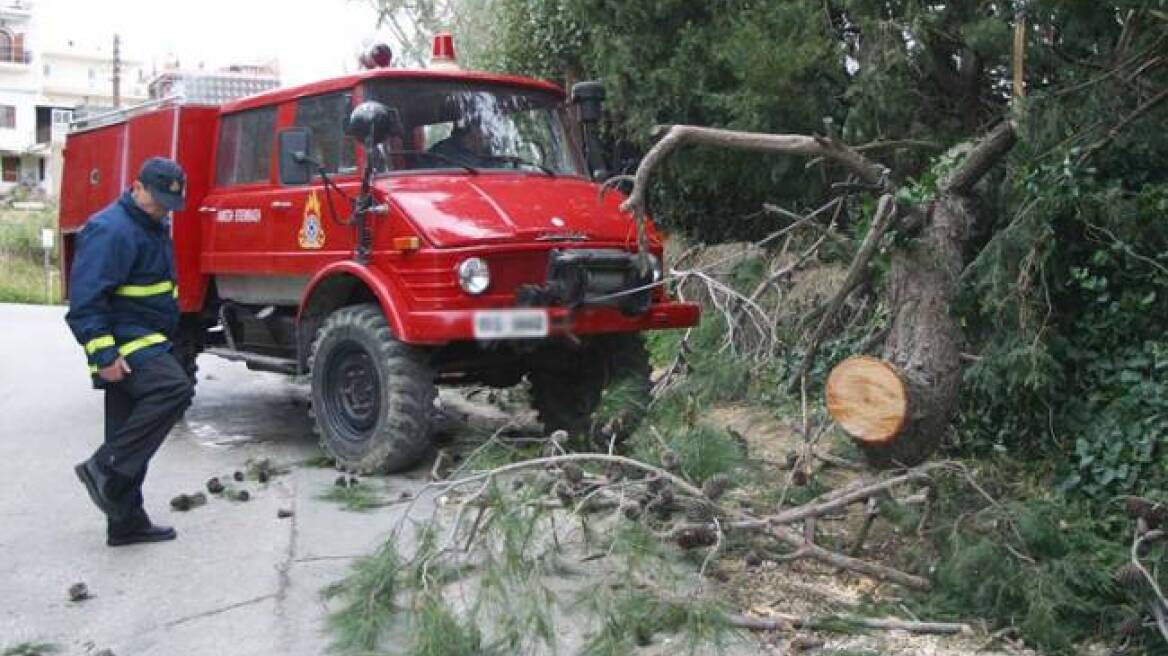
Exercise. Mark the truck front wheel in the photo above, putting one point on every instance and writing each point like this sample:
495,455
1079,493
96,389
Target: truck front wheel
600,391
371,394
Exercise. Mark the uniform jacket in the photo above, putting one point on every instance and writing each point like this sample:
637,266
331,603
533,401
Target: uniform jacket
123,300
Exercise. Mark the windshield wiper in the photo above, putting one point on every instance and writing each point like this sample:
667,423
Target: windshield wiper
513,159
438,156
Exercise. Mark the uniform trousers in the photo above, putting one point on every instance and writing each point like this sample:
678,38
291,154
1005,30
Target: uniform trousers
139,413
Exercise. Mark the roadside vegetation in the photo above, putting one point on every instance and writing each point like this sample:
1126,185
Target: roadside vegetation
1038,524
22,271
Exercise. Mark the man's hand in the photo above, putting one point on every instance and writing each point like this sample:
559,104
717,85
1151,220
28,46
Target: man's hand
116,372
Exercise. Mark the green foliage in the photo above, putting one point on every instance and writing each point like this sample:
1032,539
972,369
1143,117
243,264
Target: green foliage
22,272
357,498
628,618
369,600
31,649
437,631
1036,561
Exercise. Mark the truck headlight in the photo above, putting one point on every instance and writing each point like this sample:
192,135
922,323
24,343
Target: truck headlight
474,276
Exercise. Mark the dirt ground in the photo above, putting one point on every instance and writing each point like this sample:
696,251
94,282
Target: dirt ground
807,588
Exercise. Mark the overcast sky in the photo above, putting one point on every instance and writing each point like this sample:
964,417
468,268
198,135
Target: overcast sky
310,38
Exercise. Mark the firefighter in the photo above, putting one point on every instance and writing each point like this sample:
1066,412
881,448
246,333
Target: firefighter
123,310
468,144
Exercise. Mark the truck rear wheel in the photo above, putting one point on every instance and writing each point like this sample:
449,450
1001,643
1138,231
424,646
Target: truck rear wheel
602,394
371,394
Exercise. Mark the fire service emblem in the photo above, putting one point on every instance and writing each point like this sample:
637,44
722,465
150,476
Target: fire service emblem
311,233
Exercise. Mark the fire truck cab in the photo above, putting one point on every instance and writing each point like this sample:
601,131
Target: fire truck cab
392,230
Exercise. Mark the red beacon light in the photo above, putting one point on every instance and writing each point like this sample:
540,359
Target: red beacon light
442,57
379,55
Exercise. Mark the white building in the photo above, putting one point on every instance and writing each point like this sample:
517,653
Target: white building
41,84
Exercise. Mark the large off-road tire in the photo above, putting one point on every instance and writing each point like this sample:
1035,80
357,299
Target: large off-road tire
371,394
599,391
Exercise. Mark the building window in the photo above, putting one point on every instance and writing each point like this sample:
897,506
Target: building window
245,147
11,168
324,116
7,116
62,116
48,70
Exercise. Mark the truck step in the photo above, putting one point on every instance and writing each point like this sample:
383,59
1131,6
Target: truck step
257,362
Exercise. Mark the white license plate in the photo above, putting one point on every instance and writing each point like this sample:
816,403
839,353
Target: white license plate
510,324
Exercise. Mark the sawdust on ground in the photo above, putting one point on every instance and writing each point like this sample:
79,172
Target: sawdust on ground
808,588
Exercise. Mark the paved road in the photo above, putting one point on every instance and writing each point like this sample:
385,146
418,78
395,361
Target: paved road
238,580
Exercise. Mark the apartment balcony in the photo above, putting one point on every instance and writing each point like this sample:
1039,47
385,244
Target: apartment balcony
14,59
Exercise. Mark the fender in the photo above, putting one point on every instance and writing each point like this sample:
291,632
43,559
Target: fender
385,291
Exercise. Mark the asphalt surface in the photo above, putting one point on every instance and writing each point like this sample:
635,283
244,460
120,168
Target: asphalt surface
239,580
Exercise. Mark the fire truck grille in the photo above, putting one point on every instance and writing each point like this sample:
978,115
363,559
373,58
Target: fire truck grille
581,277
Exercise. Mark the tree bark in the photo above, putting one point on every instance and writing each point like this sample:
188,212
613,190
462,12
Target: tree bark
924,342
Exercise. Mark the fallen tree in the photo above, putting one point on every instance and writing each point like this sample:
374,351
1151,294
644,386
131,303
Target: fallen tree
921,360
621,527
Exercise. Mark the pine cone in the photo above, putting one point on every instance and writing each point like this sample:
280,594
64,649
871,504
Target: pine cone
1130,626
572,473
1130,577
564,492
670,461
614,471
715,486
693,538
699,513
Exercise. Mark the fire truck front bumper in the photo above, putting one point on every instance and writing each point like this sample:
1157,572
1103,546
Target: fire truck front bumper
446,326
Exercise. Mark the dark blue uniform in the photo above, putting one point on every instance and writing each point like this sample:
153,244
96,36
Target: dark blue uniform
123,303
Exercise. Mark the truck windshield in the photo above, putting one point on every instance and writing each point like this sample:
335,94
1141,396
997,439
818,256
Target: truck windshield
453,124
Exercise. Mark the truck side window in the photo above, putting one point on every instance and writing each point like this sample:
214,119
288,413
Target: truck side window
245,147
325,116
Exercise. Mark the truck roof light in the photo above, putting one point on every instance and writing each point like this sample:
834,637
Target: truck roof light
443,57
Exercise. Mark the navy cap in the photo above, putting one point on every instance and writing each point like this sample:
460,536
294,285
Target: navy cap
165,181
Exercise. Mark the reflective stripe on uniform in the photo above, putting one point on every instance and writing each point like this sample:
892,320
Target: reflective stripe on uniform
97,343
141,343
176,291
142,291
93,369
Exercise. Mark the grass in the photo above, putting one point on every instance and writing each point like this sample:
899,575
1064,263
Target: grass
22,273
31,649
23,281
356,498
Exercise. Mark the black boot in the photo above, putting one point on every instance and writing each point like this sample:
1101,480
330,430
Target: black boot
100,485
137,528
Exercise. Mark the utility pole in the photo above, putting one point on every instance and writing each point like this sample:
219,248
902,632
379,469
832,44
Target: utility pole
117,79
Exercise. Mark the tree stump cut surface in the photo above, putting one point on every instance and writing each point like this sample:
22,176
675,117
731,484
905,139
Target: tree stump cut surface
868,398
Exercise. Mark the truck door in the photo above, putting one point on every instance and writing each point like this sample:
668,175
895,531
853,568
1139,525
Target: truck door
236,213
308,232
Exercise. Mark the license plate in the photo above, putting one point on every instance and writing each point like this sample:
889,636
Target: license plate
510,324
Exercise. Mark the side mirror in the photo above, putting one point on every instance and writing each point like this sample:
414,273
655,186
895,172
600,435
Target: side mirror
590,97
295,165
373,122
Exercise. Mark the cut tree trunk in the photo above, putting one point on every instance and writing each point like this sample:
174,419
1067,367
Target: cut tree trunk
923,345
922,352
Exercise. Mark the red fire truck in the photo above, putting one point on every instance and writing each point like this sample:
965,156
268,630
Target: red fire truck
392,230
